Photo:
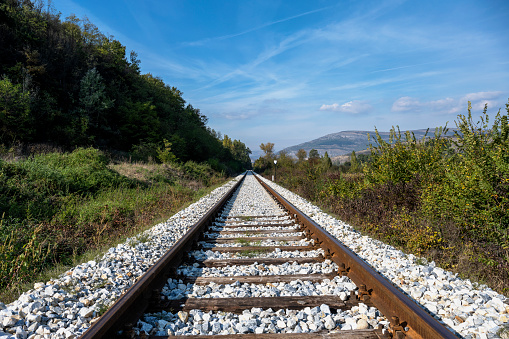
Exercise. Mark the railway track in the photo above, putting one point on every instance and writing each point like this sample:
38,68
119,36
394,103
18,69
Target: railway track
255,266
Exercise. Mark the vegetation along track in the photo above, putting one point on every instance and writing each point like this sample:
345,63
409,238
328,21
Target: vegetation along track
256,266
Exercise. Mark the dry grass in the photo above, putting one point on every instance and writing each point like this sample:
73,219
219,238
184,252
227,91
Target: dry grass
150,173
143,172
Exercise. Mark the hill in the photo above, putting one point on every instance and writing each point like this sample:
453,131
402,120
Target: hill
341,143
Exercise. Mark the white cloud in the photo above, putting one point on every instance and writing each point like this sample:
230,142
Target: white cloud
479,99
406,104
450,105
267,108
352,107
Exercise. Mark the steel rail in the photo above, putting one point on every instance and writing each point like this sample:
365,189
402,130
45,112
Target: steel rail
132,304
407,318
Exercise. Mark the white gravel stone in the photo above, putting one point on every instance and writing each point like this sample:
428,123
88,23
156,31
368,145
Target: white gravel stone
254,320
443,293
258,320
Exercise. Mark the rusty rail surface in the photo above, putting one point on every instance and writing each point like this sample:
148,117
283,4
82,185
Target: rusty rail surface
407,318
132,304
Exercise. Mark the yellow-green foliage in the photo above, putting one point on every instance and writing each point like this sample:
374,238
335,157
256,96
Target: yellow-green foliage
402,159
445,196
475,186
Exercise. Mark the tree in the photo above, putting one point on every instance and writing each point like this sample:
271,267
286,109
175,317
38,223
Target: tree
268,149
67,83
301,155
313,154
14,112
284,160
94,102
326,161
239,151
227,142
354,164
165,154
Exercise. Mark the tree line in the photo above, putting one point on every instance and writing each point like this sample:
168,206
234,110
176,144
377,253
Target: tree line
66,83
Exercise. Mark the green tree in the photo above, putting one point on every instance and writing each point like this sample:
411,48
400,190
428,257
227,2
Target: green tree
313,155
354,163
165,154
94,102
15,119
326,161
238,150
301,155
241,153
227,142
268,149
284,160
265,161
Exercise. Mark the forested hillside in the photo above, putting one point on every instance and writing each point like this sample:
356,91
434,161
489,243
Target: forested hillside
64,82
82,137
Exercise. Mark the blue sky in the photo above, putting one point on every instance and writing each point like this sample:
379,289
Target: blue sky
291,71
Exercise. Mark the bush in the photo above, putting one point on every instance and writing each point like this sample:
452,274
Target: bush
34,187
443,197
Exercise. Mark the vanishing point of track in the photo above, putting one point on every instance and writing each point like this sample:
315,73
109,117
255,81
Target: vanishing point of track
407,319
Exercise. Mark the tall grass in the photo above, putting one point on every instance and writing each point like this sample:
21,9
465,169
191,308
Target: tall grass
57,206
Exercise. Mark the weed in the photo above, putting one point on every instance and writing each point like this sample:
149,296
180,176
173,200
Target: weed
56,207
101,308
69,288
101,283
143,238
503,332
243,242
420,261
251,253
443,197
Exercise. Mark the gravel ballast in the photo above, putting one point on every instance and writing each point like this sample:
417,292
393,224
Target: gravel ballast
258,320
473,311
65,307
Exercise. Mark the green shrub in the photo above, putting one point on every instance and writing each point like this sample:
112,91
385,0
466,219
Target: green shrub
84,170
474,192
445,197
197,171
401,159
164,154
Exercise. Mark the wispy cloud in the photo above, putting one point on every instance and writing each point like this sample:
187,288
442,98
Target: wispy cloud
383,81
351,107
403,67
268,24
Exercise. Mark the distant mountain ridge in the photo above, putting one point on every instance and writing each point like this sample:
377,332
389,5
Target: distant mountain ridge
345,142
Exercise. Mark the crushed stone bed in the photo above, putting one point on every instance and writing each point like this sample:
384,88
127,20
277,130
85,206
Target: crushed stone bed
65,307
471,310
257,320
